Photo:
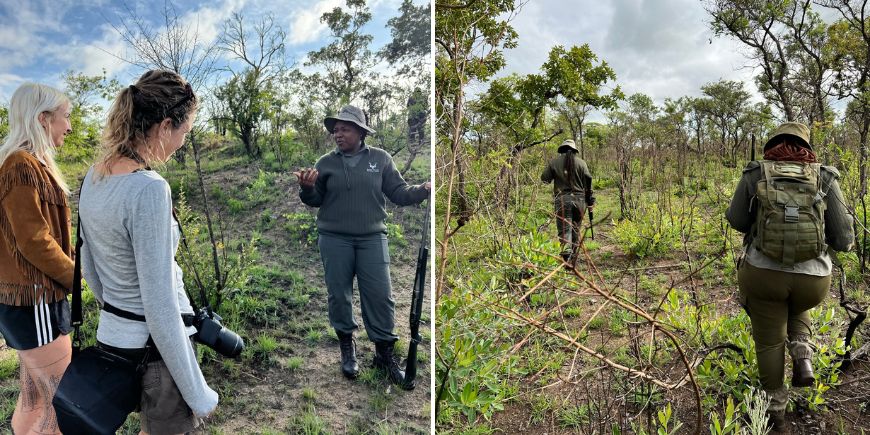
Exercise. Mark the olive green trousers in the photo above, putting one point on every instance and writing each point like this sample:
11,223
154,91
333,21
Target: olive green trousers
570,208
778,304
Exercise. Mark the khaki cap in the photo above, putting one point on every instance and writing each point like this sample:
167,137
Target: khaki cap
796,130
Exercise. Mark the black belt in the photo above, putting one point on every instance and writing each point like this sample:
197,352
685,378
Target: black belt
133,355
109,308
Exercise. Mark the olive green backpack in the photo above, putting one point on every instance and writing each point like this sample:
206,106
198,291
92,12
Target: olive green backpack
790,226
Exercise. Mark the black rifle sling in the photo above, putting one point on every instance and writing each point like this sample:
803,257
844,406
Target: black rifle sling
76,304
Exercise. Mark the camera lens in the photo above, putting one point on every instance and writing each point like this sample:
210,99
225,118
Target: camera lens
222,340
229,343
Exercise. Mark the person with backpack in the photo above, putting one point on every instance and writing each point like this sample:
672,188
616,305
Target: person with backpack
572,194
792,211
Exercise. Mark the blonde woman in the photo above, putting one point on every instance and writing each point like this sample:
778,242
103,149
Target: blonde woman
36,269
128,254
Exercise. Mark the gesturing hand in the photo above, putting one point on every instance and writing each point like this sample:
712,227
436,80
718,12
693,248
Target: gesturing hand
306,177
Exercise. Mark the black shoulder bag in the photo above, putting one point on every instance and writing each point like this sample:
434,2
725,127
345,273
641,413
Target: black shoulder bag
99,389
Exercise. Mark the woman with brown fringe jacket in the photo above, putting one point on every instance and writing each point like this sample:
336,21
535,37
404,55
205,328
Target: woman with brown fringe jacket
36,266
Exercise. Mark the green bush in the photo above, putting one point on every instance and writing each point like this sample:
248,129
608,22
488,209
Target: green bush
649,234
301,227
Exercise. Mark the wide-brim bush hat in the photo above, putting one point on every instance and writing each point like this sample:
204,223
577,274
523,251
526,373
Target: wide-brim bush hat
568,144
351,114
797,131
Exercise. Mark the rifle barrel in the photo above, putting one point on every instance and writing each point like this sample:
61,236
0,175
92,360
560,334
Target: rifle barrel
416,308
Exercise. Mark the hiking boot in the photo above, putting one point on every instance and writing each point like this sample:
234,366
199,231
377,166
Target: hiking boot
802,373
349,366
776,422
386,361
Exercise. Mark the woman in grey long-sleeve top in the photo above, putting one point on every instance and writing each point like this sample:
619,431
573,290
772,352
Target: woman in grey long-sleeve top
130,240
349,185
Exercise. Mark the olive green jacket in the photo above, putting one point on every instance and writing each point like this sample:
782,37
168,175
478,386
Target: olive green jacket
742,211
555,172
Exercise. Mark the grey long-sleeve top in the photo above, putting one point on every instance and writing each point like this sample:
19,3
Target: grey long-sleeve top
350,192
130,239
742,211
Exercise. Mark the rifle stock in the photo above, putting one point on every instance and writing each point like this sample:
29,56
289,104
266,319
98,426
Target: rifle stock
416,309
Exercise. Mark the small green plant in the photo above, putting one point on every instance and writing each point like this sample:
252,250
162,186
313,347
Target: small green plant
573,416
308,423
369,376
665,425
294,363
265,347
314,335
731,424
235,205
309,394
301,227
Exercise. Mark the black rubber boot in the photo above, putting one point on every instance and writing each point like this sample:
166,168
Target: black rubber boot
349,366
802,373
776,422
385,360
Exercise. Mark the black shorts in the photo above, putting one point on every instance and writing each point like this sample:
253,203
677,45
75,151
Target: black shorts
34,326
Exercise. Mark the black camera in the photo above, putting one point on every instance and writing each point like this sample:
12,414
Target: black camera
211,333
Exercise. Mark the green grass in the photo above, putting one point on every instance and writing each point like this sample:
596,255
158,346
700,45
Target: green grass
295,363
309,394
308,423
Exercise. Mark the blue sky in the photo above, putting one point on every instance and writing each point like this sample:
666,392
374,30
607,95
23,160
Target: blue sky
41,39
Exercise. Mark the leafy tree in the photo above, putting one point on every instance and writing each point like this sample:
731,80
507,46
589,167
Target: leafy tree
85,113
346,59
245,103
261,53
519,104
725,105
758,25
410,47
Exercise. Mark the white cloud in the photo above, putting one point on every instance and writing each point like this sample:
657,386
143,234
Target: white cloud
208,21
305,25
8,84
662,48
93,57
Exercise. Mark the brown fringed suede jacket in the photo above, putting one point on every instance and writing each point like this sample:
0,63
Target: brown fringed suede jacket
35,251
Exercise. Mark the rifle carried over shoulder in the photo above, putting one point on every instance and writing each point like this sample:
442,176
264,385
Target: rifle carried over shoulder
417,307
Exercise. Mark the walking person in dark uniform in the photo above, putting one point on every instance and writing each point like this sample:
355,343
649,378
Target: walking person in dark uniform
572,194
791,209
349,185
36,266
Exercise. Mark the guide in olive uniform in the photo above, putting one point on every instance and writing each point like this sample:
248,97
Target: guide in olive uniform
348,185
792,211
572,193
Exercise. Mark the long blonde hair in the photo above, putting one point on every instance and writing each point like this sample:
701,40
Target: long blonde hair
157,95
26,133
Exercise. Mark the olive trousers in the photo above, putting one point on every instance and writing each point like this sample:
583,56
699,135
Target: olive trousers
570,208
368,259
778,304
